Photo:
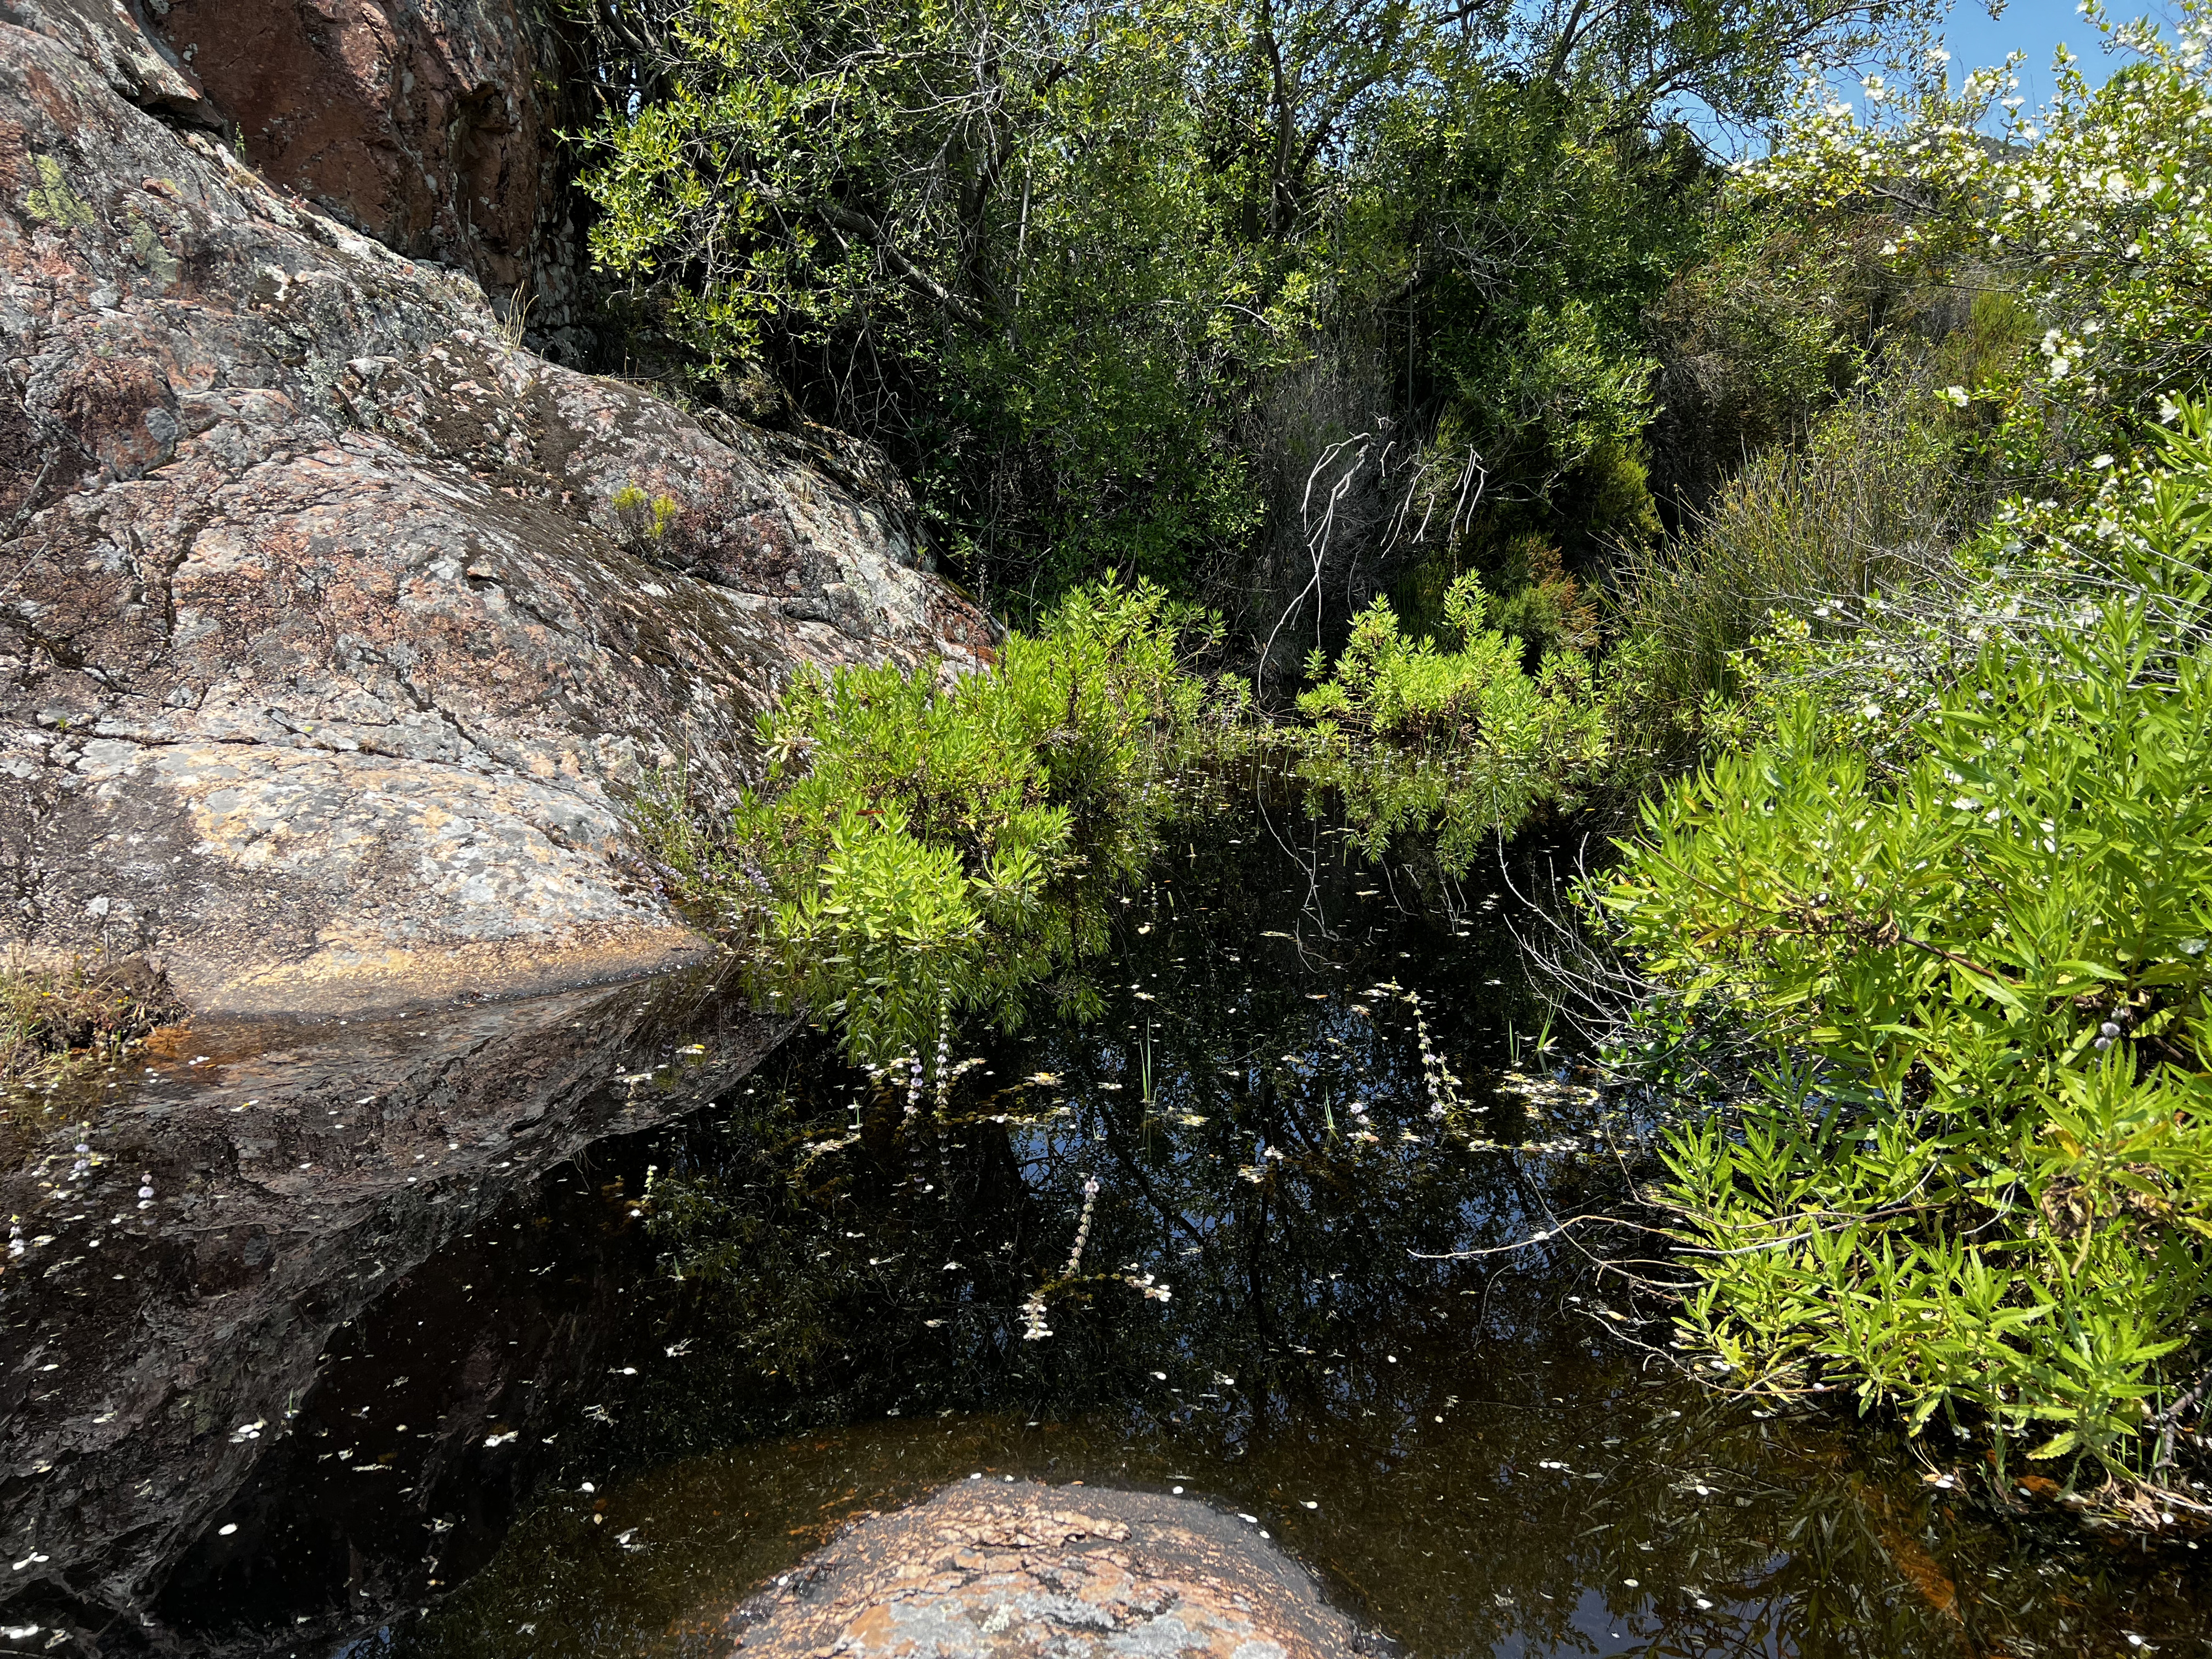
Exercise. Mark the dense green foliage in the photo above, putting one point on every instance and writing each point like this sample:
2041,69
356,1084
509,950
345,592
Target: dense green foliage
921,850
1459,744
1975,1169
2093,213
1111,281
1862,482
1874,500
1925,937
1930,963
2025,310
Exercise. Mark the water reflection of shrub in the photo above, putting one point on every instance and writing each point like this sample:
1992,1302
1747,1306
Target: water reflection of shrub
1271,1161
883,1261
921,850
1458,741
60,1026
1565,1463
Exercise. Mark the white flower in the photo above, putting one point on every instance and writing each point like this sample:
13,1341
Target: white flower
1956,396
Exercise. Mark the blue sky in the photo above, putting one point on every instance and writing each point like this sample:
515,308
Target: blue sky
2034,27
2037,27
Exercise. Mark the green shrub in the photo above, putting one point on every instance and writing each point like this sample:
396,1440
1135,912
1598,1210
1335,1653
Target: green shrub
1873,667
1756,339
1874,500
919,849
2091,209
1973,1174
1460,743
643,519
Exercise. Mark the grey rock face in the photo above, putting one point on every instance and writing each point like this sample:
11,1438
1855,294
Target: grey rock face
335,629
108,34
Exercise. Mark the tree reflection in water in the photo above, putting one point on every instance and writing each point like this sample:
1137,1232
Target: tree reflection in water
1483,1453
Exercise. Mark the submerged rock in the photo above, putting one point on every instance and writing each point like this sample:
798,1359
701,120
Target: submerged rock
1012,1569
337,628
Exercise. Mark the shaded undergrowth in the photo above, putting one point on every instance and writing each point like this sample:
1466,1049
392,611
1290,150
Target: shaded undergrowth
57,1025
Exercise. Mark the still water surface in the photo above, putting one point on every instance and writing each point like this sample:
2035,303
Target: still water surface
1386,1336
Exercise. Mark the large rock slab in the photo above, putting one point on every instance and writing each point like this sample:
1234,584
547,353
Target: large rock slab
336,631
158,1349
1022,1570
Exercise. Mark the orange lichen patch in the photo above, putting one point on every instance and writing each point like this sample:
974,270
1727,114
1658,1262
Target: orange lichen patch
872,1629
171,1045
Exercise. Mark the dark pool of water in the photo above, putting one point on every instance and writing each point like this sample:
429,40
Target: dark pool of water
1389,1337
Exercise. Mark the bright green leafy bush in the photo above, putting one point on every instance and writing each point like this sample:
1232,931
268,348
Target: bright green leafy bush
921,850
1973,1174
1462,742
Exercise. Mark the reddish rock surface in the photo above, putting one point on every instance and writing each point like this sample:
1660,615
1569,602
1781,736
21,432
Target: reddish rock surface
429,125
1020,1571
106,34
330,652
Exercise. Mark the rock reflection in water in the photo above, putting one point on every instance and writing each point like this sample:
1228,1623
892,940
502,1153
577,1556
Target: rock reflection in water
1484,1454
161,1350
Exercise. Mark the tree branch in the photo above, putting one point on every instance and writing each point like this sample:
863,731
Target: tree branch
859,224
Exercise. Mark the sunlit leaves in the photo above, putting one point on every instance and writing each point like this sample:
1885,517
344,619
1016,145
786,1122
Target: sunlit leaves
1460,743
1979,1175
2093,208
921,850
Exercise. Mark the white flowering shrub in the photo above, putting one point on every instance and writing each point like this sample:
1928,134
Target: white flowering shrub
1870,670
2093,210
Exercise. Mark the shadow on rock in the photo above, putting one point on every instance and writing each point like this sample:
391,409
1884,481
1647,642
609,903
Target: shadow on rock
196,1239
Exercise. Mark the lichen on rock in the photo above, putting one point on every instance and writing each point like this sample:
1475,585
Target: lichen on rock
1012,1569
329,662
